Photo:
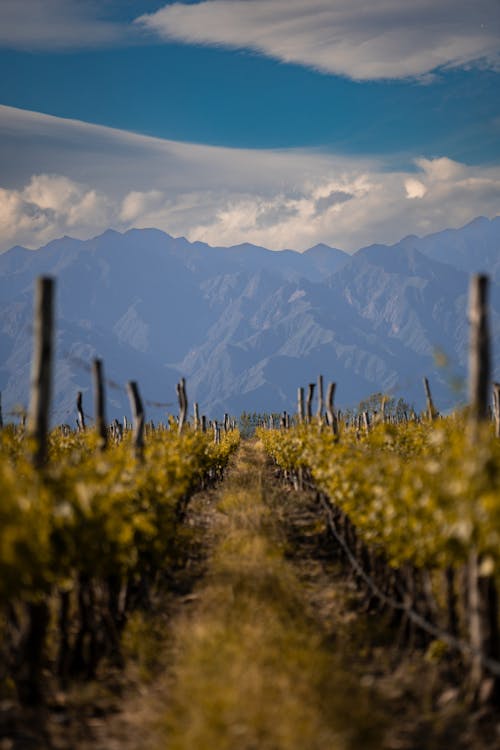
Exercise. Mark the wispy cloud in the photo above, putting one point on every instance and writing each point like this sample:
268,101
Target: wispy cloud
59,25
380,39
80,179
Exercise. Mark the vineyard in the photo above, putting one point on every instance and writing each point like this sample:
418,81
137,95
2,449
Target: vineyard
87,539
415,510
388,520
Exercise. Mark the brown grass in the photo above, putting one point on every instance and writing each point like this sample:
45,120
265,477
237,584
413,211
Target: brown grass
251,671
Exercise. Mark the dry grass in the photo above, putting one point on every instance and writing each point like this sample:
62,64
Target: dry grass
251,671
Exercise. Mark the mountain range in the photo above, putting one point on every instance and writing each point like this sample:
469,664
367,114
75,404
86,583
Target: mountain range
246,326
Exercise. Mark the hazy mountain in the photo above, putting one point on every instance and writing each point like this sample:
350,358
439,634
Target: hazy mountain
474,248
246,325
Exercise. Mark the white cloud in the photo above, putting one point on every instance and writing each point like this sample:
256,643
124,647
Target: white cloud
57,24
48,206
414,188
380,39
88,178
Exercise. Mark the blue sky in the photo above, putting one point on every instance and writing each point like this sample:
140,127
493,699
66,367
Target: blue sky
394,106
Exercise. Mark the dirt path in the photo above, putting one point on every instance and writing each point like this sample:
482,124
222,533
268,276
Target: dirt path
261,644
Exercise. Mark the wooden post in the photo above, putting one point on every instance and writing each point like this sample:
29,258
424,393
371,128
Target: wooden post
196,412
137,410
479,351
330,410
482,595
431,409
203,423
366,422
183,403
383,410
310,394
41,372
226,422
81,415
319,412
496,408
216,433
1,414
99,403
300,404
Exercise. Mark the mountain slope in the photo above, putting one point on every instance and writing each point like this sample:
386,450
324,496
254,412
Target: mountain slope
246,325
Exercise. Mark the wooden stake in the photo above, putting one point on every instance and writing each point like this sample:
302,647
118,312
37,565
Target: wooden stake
137,410
196,412
81,415
183,403
483,604
300,404
203,423
99,403
330,411
479,351
431,409
1,415
216,433
496,408
41,372
319,413
310,394
383,410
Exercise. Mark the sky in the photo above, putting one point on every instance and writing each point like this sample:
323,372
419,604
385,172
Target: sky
279,122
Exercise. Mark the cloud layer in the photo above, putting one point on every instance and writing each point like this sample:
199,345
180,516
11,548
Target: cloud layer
380,39
56,24
87,178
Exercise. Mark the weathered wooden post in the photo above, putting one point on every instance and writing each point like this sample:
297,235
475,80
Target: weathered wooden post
330,411
99,403
319,412
196,415
1,414
79,409
41,372
38,427
216,432
310,394
431,409
300,404
203,423
496,408
137,410
183,403
383,409
482,594
479,350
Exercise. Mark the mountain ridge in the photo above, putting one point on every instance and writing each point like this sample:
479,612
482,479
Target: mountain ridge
247,325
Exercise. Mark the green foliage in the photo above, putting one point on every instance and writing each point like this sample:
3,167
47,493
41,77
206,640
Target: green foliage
421,493
95,514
